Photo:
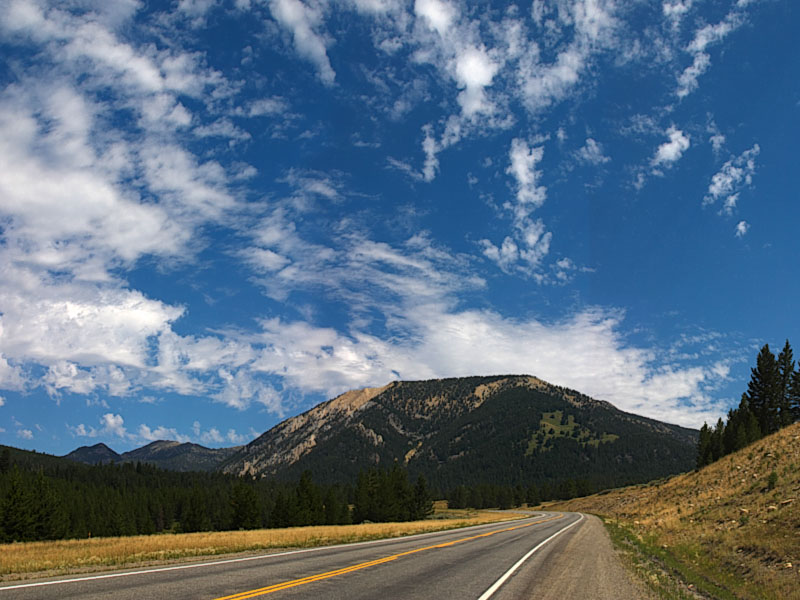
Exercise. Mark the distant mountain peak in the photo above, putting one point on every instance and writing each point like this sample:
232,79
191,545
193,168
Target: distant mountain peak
166,454
468,429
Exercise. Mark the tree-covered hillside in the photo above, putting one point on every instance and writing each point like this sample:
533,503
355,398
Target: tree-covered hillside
504,431
44,497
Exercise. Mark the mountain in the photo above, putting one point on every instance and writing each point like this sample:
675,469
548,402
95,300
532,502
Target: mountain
173,456
739,515
466,431
93,455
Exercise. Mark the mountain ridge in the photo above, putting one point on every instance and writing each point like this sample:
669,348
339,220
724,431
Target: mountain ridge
165,454
458,430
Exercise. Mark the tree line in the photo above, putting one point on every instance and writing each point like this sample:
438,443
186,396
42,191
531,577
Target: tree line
49,500
771,402
487,495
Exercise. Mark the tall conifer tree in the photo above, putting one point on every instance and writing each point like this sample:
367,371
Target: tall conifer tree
763,390
785,373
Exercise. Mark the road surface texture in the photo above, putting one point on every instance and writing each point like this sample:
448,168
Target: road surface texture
549,555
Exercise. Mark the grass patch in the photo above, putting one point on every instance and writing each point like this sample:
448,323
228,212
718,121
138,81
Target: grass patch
554,425
667,576
18,560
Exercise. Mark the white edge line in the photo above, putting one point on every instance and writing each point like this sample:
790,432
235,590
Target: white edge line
496,586
236,560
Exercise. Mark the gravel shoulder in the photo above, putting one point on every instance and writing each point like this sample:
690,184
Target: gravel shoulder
587,566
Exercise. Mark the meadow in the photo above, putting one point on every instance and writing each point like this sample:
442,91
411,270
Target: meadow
33,559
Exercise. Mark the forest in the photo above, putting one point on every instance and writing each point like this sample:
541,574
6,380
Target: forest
771,402
46,498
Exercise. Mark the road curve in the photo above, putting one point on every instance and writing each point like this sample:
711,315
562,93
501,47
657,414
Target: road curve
496,561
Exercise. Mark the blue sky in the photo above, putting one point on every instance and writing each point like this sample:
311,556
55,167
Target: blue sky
216,214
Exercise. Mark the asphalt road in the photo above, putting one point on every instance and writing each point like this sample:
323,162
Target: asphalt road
475,562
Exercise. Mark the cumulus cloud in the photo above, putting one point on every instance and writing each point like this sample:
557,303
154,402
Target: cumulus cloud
742,227
302,20
111,425
25,434
670,152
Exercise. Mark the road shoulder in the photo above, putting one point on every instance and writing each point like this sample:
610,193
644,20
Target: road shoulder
587,566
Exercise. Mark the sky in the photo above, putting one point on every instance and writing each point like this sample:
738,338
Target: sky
215,214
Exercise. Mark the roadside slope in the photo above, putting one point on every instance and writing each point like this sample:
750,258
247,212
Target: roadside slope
735,522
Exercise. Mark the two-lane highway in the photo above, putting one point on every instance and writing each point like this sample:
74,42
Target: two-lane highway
477,562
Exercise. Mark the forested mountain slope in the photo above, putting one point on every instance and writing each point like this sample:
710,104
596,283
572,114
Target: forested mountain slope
509,430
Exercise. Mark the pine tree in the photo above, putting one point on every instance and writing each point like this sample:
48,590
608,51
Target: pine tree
717,436
704,454
47,511
5,461
16,521
763,391
794,396
785,375
421,501
244,501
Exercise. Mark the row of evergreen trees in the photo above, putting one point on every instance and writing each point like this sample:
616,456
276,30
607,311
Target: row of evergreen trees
60,500
771,402
507,496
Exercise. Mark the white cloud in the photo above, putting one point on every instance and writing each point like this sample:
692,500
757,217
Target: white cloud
438,15
302,20
530,243
676,9
430,148
524,159
742,227
474,72
584,352
236,438
592,153
25,434
736,174
717,142
209,436
113,425
705,37
110,425
161,433
268,107
671,151
2,401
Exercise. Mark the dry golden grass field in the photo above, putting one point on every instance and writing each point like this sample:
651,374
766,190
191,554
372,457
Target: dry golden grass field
29,559
733,526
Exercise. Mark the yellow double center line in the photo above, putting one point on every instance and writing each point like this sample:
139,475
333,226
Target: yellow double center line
357,567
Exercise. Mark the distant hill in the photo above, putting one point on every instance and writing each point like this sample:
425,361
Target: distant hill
741,514
170,455
498,430
99,454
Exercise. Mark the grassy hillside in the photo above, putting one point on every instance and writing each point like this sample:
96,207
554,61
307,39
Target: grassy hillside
732,528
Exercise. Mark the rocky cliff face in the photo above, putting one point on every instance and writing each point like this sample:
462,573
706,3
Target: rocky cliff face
504,429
